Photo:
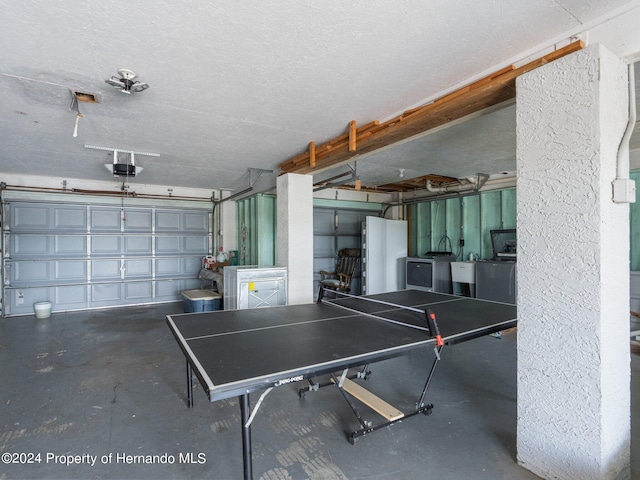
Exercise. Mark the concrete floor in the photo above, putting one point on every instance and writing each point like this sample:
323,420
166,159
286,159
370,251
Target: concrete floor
105,385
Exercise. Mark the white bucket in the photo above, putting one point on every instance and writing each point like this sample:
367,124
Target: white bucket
42,309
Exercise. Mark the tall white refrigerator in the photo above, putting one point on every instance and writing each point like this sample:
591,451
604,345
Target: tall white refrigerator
384,253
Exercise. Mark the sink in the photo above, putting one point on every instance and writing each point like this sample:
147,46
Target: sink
463,272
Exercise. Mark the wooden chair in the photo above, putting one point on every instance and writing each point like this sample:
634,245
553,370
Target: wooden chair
346,267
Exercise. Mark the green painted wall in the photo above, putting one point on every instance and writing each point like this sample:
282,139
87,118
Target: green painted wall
433,225
440,225
256,224
634,214
473,217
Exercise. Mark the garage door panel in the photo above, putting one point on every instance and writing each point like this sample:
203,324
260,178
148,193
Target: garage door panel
167,245
70,218
138,292
191,264
69,245
71,297
105,219
137,245
105,269
29,272
195,245
190,284
138,268
168,221
103,245
30,245
138,220
91,255
105,294
196,222
169,290
333,230
70,270
21,300
323,221
30,217
168,266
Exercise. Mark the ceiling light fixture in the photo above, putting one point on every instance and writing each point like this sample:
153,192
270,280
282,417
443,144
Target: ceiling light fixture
126,82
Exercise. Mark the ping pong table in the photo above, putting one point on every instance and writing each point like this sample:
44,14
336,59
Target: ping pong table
239,352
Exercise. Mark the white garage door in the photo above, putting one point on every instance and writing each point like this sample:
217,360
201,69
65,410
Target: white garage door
96,252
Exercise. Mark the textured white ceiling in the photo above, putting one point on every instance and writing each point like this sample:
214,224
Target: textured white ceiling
238,85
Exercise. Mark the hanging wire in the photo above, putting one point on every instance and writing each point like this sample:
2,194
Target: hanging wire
76,106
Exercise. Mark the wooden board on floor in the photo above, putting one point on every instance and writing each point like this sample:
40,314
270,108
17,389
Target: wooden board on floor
385,409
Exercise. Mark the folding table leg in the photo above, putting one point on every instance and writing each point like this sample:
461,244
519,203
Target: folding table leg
189,385
438,350
420,406
245,410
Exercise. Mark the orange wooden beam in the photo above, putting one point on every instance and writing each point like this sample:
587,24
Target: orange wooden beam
352,136
490,90
312,154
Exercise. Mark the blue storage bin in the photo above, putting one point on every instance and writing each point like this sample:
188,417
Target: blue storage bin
201,301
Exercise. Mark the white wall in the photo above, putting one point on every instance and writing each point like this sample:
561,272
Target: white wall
573,270
295,235
113,185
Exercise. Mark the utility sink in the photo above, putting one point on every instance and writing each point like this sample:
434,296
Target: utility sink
463,272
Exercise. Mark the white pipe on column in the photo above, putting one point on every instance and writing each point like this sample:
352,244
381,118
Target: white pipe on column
623,151
624,189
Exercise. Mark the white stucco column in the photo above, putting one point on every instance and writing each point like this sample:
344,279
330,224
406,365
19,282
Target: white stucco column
295,235
573,270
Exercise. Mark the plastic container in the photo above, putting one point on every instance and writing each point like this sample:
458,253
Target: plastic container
42,309
222,256
201,301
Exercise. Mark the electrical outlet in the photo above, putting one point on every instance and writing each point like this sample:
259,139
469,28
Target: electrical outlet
462,242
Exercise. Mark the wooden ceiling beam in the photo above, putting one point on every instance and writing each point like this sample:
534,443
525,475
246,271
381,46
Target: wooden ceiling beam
486,92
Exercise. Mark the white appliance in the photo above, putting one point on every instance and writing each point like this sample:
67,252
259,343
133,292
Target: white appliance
252,287
384,249
463,278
